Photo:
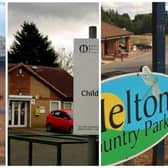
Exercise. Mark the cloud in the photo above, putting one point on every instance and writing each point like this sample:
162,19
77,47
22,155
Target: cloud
62,22
61,10
132,8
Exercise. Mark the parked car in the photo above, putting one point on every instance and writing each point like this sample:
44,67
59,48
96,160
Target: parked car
61,120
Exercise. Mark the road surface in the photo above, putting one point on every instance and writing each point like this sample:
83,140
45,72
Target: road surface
130,64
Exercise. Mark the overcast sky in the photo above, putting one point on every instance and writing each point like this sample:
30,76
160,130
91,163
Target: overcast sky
132,8
62,22
2,19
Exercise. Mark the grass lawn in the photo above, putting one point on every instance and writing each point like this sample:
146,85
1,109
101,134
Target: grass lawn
141,39
144,39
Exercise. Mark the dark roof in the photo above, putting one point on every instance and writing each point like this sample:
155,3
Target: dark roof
111,31
59,78
56,78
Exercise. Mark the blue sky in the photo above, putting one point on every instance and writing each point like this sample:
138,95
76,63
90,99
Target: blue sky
2,19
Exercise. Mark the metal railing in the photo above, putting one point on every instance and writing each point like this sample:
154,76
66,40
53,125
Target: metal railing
31,139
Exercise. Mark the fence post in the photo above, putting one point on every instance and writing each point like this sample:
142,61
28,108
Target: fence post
93,152
158,61
59,154
30,153
9,150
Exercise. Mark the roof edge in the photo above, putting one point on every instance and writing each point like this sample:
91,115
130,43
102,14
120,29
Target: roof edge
38,76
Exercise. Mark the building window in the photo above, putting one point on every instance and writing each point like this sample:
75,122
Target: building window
55,105
20,71
68,105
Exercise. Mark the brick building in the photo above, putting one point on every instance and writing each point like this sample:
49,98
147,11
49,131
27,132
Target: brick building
111,38
34,91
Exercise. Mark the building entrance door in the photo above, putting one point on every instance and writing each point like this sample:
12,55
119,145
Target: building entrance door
18,113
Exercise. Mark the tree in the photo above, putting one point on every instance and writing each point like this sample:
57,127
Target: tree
113,17
31,47
66,61
142,23
105,16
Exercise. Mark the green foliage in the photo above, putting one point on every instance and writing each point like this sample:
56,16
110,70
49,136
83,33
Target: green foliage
113,17
105,16
31,47
141,24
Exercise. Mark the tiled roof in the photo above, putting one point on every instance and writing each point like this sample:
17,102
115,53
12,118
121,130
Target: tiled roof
59,78
56,78
111,31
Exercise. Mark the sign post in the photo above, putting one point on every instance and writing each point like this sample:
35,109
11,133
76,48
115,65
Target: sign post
135,118
158,61
93,152
86,100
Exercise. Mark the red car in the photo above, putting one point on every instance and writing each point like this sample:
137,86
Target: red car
60,120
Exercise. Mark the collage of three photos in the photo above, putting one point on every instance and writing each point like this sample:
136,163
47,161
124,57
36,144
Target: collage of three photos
83,83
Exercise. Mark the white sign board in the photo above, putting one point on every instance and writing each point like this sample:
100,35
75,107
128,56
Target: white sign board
86,100
42,109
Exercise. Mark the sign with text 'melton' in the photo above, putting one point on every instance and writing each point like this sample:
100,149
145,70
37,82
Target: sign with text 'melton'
134,111
86,100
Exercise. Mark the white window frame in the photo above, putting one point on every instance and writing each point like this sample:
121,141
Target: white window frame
25,117
68,102
55,101
20,98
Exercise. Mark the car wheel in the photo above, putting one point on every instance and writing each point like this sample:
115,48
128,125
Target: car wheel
49,127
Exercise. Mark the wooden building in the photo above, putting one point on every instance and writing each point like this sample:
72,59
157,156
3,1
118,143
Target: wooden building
111,38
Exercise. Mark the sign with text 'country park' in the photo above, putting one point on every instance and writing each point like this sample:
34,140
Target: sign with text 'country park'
134,111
